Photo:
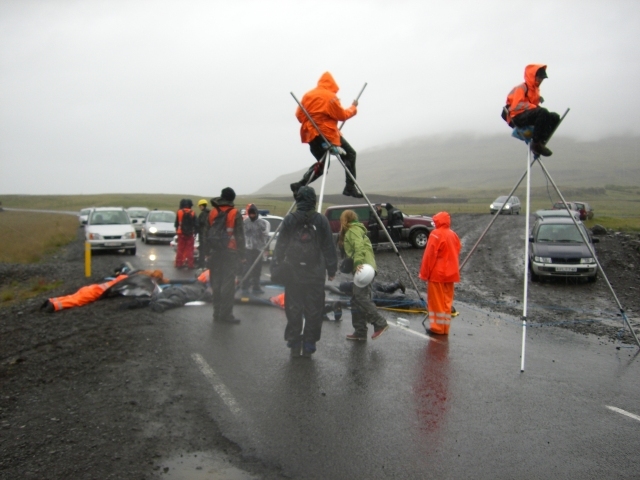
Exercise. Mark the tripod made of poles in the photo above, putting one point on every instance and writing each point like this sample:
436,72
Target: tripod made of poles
531,159
326,159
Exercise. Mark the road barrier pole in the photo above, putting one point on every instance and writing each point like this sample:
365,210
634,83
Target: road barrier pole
87,259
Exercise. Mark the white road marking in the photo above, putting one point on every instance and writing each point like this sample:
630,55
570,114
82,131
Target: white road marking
408,330
217,385
624,412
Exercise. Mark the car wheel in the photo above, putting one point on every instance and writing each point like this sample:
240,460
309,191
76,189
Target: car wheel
419,239
534,277
593,279
132,251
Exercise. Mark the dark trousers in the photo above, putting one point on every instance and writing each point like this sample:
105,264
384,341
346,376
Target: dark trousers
303,300
364,311
253,280
223,268
318,151
544,123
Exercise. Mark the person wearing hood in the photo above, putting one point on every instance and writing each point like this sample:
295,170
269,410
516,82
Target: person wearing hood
440,269
356,244
324,108
186,226
226,251
256,234
203,226
523,105
395,222
304,257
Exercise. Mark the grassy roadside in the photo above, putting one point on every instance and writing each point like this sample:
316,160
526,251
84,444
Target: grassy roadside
26,238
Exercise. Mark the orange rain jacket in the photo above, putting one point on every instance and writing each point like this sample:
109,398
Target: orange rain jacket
525,96
324,107
440,260
85,295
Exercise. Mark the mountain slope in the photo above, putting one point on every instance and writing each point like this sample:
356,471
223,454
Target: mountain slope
469,161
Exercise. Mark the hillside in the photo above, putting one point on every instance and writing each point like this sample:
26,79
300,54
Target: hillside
420,164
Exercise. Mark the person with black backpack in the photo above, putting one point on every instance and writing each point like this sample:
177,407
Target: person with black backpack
226,244
186,229
304,257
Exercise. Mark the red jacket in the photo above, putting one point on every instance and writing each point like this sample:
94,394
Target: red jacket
525,96
324,107
440,260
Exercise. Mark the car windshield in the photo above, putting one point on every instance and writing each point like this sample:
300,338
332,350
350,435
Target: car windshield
501,199
559,234
109,217
137,213
166,217
274,222
85,211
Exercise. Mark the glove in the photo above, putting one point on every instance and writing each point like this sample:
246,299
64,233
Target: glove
338,151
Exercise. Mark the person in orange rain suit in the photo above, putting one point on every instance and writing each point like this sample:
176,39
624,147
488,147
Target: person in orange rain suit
91,293
186,226
440,269
324,107
523,105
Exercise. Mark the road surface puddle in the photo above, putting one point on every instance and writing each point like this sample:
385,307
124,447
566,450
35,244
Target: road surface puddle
201,466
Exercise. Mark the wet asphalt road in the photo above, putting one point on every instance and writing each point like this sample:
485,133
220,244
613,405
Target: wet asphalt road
407,406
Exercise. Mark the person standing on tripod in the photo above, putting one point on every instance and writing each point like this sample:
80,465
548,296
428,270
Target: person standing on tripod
324,107
523,109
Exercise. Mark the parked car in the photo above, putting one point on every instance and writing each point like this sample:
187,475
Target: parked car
586,212
571,205
510,207
158,226
558,250
274,222
137,215
556,213
109,228
415,228
83,216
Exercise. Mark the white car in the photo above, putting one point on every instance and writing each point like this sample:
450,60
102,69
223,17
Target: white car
83,216
137,215
158,226
109,228
275,222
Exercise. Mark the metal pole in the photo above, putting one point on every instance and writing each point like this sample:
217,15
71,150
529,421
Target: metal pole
593,253
259,259
378,219
464,262
324,178
526,260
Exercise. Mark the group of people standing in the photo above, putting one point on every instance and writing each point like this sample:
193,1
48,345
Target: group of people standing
305,255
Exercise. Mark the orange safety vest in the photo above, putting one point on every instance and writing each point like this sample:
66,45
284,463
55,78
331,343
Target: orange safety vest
231,222
181,213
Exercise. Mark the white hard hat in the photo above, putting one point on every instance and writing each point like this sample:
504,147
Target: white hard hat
365,276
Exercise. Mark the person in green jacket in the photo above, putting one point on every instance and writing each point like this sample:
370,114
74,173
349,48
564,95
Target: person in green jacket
356,244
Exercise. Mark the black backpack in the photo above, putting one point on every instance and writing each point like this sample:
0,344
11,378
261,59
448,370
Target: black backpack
188,224
217,236
303,250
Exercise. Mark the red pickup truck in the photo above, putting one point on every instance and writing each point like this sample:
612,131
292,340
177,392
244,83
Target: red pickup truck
415,228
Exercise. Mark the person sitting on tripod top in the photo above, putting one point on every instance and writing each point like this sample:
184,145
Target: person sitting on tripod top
323,106
523,109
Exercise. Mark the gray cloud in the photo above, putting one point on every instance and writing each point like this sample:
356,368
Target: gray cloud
176,97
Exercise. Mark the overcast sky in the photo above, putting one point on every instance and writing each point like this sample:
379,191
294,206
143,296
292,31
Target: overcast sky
193,96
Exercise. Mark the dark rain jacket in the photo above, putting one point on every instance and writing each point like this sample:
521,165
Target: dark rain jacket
328,265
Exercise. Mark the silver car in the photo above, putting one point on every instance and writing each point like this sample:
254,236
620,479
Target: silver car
558,250
510,207
137,215
109,228
158,226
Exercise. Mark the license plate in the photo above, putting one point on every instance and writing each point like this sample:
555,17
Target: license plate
566,269
112,244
